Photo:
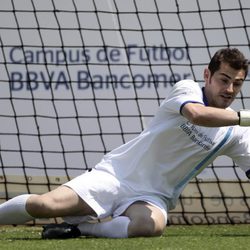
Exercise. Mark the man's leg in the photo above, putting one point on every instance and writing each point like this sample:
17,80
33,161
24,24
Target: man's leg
140,219
62,201
13,212
146,220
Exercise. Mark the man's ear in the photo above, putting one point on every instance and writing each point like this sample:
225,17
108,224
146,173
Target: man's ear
206,74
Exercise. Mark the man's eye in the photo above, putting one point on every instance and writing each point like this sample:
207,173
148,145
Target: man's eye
224,80
237,84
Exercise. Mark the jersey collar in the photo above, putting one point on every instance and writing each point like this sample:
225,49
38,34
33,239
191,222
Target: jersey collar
204,97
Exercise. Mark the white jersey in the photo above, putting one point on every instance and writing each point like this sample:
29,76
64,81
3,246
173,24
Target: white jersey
171,150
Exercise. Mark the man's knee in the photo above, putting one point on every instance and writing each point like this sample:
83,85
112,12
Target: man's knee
145,227
38,207
146,220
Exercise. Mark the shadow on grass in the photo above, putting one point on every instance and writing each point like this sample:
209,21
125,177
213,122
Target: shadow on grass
239,230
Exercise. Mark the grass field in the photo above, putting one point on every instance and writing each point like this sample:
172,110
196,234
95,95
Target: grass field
175,237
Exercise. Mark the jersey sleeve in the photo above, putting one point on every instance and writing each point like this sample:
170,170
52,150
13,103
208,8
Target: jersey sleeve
184,92
239,152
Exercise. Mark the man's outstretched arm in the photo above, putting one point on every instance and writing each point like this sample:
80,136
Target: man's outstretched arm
206,116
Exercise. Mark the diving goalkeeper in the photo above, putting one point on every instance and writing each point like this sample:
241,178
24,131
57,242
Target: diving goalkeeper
137,183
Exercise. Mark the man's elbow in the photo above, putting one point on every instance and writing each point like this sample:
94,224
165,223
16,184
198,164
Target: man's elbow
194,113
196,119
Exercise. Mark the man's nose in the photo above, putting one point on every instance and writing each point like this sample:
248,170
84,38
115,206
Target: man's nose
230,88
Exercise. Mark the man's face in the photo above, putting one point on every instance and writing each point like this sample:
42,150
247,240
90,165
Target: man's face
223,86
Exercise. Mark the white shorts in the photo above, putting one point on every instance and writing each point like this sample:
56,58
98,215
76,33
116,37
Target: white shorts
109,197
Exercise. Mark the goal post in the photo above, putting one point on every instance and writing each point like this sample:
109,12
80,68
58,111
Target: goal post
79,78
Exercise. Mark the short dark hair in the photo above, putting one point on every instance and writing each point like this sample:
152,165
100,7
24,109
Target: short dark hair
232,56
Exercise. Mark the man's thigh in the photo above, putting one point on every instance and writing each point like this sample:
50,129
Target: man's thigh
62,201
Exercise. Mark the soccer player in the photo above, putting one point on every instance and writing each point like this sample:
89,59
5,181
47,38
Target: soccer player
137,183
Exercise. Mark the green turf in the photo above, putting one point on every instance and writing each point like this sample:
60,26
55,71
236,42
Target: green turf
175,237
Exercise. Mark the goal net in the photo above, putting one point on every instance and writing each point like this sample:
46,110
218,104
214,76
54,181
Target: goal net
79,78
